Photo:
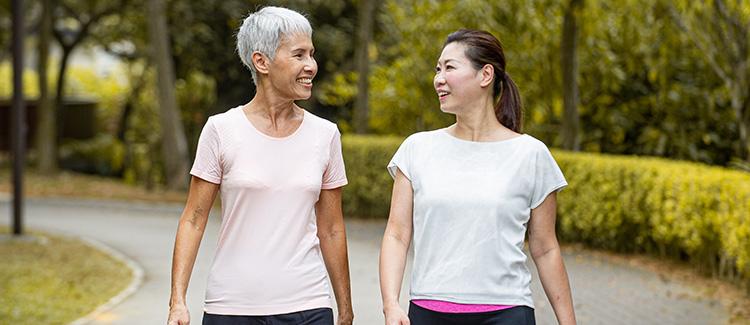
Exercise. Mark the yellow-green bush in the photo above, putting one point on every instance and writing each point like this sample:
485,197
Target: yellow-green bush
369,191
631,204
670,208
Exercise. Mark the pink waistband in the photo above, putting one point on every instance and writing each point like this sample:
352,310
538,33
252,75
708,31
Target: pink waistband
452,307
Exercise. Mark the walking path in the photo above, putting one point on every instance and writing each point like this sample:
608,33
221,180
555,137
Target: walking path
604,293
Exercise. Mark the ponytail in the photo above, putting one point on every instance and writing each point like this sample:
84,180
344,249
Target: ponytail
508,109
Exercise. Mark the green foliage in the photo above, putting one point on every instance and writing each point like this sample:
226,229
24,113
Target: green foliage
369,191
645,87
102,155
108,90
55,280
654,205
403,99
629,204
29,80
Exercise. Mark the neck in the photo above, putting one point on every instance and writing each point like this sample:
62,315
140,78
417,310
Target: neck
268,103
477,121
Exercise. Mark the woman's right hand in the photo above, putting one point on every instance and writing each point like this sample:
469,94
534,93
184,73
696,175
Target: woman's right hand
396,316
178,315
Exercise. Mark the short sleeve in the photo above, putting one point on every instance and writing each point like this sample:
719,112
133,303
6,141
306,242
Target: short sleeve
335,174
548,177
402,159
207,164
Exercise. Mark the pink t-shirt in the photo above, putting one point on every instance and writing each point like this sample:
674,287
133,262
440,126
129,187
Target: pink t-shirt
268,258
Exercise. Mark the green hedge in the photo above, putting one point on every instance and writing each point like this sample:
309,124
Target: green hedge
681,210
677,209
368,194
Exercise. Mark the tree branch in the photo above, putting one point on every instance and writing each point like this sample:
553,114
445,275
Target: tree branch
710,54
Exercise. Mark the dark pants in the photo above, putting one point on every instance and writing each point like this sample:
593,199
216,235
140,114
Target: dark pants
519,315
318,316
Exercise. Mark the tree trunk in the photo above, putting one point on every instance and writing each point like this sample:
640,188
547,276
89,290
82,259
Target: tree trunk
571,138
59,95
46,133
364,38
739,103
174,144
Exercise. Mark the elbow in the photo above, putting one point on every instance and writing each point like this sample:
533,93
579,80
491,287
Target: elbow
540,251
331,233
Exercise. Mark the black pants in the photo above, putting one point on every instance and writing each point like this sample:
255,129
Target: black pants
519,315
318,316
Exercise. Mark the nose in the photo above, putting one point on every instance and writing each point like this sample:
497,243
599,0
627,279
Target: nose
439,79
311,65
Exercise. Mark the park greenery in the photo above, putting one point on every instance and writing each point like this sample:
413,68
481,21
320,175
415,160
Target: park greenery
656,78
661,78
50,279
647,103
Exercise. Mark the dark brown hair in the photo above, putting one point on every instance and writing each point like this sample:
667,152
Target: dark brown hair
483,48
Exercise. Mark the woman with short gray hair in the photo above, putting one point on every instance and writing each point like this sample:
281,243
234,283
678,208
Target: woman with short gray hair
280,171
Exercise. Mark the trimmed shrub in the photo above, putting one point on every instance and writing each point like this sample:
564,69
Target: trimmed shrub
368,194
676,209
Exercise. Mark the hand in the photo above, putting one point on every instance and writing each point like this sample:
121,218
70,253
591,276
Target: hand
345,318
396,316
178,315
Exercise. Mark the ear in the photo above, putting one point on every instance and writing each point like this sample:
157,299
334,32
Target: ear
260,62
487,74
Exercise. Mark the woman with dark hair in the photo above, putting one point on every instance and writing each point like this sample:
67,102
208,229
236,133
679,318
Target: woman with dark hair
467,194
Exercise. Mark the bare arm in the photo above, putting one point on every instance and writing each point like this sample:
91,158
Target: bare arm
545,250
332,235
394,249
189,233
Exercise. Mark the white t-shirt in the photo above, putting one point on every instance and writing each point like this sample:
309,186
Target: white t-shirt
472,202
268,258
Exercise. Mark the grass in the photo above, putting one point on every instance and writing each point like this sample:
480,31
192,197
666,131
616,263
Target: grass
67,184
55,280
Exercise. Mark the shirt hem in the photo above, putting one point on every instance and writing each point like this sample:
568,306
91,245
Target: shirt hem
205,176
267,310
555,188
505,302
333,185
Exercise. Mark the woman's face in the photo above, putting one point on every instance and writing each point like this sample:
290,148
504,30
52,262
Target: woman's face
293,68
456,81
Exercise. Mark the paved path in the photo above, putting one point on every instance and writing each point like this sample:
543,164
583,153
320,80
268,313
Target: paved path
604,293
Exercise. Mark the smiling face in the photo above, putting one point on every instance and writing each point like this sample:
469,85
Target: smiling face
293,68
456,81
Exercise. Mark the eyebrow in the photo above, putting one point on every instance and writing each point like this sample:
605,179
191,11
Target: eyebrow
301,49
449,60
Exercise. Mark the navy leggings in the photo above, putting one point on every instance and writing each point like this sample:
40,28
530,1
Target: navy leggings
318,316
519,315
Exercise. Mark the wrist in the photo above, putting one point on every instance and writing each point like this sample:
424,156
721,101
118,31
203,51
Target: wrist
389,305
176,302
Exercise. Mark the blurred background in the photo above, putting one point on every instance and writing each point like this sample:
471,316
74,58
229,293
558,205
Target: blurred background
636,77
646,102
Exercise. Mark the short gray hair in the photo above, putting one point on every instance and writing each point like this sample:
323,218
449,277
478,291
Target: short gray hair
263,30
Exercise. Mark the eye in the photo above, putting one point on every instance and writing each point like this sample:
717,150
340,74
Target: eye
437,69
449,67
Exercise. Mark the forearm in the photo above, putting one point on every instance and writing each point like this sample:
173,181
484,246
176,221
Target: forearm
189,234
335,256
392,265
554,280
